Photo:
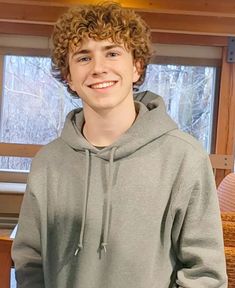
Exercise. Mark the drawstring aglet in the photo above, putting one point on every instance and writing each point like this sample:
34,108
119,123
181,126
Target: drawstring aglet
77,251
103,247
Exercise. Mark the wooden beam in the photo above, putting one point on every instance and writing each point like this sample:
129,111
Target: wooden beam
22,52
225,126
5,261
173,60
13,177
190,24
30,13
212,7
187,39
49,14
19,150
158,22
226,121
10,201
219,161
25,29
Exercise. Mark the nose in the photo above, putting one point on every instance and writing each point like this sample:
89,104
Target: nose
99,66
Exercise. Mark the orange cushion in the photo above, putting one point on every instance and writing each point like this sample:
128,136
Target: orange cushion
226,193
230,261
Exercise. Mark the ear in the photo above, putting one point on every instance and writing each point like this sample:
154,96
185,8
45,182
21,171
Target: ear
137,68
70,82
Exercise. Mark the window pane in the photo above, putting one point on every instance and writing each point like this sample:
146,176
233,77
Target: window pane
15,163
188,92
34,103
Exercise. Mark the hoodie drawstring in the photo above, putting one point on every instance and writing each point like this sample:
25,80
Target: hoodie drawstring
107,203
85,203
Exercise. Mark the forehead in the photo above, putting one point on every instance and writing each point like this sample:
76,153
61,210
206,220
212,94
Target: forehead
91,44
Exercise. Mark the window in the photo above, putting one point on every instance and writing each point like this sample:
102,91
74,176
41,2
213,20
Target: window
189,93
34,105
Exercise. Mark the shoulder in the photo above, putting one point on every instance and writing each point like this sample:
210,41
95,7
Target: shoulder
187,144
52,152
187,140
190,158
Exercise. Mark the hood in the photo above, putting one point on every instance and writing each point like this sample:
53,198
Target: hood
152,122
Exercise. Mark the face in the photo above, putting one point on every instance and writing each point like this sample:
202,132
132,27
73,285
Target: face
102,73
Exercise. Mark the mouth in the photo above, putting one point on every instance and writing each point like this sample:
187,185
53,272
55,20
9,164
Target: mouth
102,85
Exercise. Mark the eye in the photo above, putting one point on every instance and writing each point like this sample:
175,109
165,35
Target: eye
84,59
112,54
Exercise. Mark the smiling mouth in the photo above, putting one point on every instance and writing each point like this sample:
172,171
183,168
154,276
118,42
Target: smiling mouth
103,85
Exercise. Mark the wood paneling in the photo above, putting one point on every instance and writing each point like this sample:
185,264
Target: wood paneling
5,261
181,16
191,24
19,13
10,203
210,6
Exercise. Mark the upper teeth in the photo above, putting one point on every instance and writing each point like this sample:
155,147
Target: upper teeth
102,85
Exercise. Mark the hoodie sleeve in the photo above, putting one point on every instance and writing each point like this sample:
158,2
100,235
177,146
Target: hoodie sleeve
197,231
26,250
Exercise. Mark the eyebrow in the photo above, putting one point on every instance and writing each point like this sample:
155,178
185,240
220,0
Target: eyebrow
105,48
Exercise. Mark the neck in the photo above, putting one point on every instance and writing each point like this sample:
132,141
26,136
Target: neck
102,128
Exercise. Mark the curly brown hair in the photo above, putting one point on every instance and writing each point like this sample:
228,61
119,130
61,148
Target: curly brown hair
107,20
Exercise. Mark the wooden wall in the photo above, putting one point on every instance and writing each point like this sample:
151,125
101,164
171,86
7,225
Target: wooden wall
211,17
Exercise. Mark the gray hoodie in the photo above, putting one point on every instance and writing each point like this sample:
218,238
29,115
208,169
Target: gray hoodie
140,213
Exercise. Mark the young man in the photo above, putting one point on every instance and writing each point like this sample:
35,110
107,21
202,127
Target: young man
122,199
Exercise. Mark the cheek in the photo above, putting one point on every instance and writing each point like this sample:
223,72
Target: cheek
76,77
